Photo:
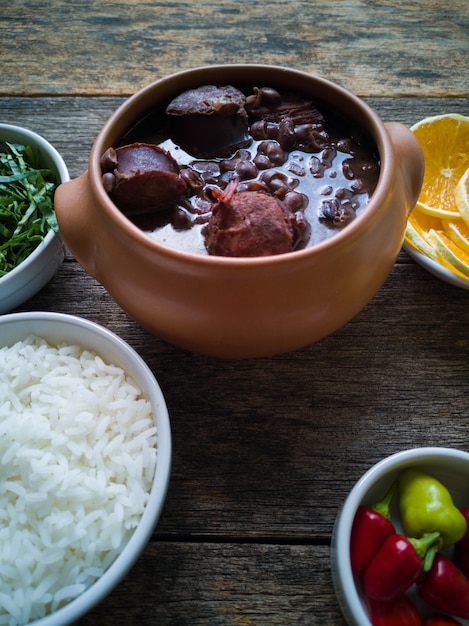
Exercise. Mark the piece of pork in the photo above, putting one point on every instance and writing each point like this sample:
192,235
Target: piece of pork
247,224
141,178
210,120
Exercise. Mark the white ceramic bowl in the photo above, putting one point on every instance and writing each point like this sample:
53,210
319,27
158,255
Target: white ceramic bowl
39,267
436,269
56,327
448,465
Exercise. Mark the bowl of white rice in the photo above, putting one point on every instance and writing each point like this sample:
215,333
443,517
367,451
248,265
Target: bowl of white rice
85,456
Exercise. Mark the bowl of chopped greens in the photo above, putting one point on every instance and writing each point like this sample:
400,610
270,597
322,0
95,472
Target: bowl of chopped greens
31,248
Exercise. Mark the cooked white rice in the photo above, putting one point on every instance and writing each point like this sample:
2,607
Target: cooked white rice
77,459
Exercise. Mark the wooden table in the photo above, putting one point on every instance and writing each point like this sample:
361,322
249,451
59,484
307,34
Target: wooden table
265,451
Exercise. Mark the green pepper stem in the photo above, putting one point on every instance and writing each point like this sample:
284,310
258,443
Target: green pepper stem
424,545
429,557
383,506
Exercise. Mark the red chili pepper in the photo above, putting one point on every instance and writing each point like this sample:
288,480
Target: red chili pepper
371,527
446,588
461,548
400,612
396,566
441,620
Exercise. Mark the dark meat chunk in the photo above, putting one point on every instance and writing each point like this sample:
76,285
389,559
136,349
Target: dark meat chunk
247,224
268,105
141,178
210,121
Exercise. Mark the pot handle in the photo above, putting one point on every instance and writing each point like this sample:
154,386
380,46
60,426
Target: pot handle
410,159
73,209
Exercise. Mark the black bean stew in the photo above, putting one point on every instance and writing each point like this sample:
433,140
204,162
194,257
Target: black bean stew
242,173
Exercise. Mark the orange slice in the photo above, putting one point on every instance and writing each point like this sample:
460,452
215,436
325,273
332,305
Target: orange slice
418,227
458,232
444,140
462,196
449,251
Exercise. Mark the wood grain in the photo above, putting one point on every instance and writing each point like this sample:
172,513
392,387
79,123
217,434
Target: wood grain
223,585
391,48
266,450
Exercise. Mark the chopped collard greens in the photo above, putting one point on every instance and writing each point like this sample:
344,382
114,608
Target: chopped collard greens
26,204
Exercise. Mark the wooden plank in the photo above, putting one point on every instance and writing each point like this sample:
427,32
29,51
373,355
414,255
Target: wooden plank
391,48
223,585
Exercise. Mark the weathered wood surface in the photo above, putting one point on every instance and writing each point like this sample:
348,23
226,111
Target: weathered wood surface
231,584
390,48
265,451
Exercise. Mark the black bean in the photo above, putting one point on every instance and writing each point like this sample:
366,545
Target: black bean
229,165
348,170
192,178
271,130
253,185
273,151
200,206
359,185
264,96
328,155
316,167
295,201
336,213
278,187
315,140
109,182
342,193
269,96
246,170
286,134
181,218
262,161
208,170
296,167
259,130
268,176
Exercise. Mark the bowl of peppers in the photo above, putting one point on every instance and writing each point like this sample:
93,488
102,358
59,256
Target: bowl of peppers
400,545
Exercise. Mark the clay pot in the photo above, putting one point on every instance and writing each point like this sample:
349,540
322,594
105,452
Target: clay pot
243,307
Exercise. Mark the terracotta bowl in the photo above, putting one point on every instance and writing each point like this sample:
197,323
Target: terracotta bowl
243,307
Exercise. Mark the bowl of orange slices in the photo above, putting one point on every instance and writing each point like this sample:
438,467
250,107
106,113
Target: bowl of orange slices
437,234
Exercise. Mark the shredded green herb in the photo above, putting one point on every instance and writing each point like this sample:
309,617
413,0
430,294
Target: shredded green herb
26,204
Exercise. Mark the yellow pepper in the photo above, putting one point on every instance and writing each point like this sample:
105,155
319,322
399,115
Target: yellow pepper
427,506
